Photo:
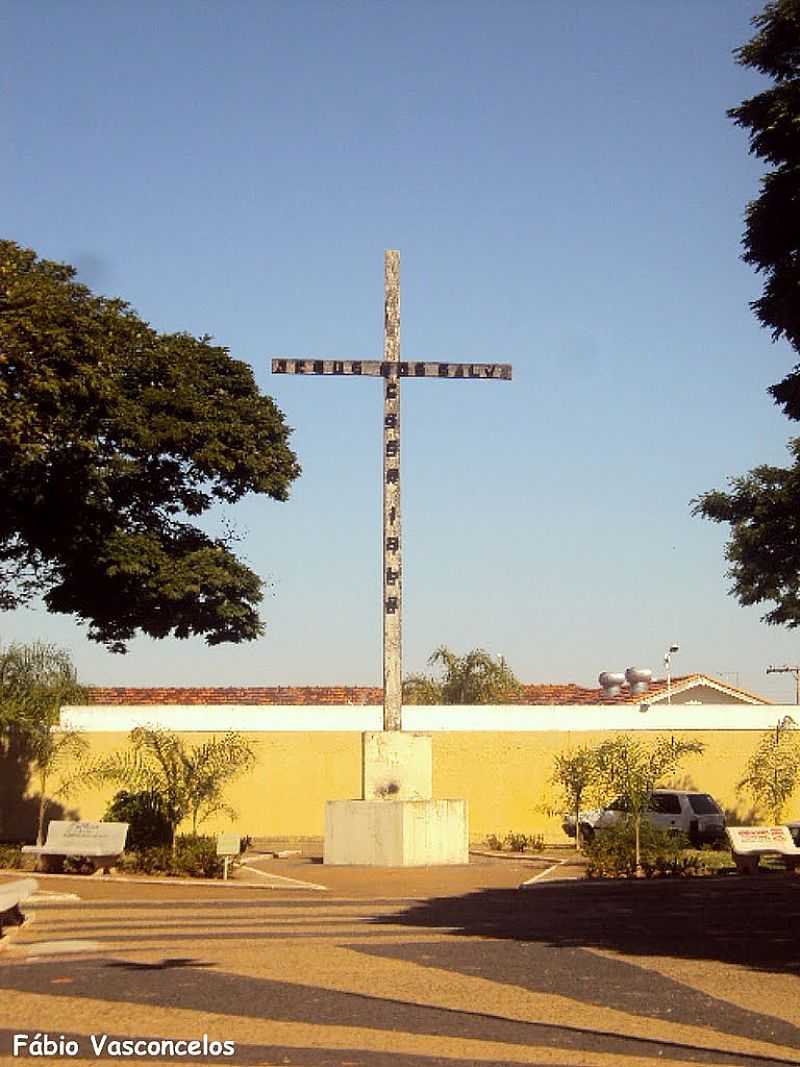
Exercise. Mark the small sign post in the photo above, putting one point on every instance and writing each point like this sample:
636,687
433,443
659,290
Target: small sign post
228,845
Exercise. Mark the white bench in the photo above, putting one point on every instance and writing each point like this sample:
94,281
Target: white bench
750,843
100,842
11,896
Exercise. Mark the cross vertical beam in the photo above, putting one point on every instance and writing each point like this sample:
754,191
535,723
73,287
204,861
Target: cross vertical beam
392,558
392,370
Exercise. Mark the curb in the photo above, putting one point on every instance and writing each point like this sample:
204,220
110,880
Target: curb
119,879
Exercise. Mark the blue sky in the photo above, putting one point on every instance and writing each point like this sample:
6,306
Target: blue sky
567,195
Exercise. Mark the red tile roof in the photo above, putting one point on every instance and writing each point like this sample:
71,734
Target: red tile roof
565,693
327,694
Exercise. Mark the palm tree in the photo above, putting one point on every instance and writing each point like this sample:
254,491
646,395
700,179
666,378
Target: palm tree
36,680
56,752
475,678
189,781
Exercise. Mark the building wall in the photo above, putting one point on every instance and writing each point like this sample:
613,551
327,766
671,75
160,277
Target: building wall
498,759
706,694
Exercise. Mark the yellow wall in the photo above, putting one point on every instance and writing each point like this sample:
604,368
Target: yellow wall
504,777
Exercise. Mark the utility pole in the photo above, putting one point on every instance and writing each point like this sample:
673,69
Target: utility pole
789,670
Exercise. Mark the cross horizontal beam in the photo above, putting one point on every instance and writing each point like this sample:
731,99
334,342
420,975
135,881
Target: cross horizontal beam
388,369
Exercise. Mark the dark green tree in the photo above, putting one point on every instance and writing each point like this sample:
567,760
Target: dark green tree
762,506
475,678
112,436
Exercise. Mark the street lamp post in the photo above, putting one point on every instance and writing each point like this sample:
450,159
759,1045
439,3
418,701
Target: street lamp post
668,665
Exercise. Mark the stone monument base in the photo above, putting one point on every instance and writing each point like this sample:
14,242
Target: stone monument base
396,833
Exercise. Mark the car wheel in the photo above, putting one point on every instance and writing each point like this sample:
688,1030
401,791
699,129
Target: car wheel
587,832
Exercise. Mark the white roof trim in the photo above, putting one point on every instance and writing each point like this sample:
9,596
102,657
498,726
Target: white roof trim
711,683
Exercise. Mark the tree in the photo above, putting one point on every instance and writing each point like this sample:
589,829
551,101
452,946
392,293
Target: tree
634,768
56,752
575,772
111,434
772,771
148,825
475,678
189,781
761,506
35,681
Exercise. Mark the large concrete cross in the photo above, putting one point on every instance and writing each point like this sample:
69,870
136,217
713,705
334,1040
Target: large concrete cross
392,370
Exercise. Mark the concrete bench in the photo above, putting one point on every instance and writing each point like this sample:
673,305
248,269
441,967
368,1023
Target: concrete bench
11,896
750,843
100,842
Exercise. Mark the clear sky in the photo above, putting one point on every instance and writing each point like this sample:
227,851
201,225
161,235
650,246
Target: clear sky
567,195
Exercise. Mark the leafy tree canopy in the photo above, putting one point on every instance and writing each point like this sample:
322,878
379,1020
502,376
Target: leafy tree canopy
762,506
475,678
111,434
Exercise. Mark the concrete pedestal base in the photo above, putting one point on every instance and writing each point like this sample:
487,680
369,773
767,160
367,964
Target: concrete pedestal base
396,833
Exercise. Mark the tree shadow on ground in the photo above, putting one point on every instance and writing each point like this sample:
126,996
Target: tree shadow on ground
297,1055
216,992
751,921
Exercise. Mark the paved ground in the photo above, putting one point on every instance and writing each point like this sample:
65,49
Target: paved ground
388,968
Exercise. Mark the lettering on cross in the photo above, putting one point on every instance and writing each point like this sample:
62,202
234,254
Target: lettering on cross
386,369
391,369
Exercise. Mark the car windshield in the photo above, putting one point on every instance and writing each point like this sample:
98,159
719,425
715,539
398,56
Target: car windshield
620,804
703,804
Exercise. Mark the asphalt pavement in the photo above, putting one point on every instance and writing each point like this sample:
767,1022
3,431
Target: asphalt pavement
502,961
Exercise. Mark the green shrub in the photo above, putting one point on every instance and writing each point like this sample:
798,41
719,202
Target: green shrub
524,842
11,857
145,813
514,842
195,856
612,853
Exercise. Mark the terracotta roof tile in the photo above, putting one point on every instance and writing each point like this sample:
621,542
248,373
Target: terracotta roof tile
550,693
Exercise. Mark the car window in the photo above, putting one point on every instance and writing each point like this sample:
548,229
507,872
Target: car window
617,805
703,804
665,804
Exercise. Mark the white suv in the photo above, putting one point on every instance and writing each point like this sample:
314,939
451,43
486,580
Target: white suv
695,814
